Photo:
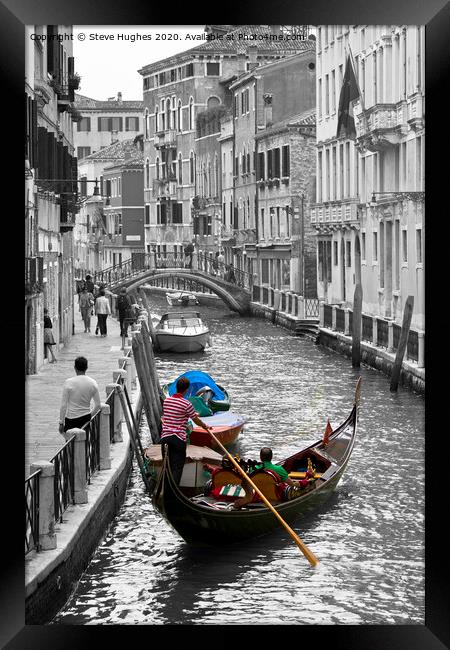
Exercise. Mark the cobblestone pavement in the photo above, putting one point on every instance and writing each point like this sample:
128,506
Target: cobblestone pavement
43,391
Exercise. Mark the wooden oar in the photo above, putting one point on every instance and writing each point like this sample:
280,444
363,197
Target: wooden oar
304,549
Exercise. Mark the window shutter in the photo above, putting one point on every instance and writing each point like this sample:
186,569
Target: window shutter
70,66
99,124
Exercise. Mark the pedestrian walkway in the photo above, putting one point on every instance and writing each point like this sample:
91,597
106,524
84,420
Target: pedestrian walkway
43,391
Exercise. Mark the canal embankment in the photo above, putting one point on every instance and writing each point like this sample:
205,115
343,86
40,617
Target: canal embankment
75,484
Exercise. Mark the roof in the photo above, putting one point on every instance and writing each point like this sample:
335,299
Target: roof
116,152
261,69
135,162
242,38
307,118
83,103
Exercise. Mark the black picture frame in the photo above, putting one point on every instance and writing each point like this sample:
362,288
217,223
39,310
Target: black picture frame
435,14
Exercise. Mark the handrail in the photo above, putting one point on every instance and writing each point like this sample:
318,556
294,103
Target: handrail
32,511
64,481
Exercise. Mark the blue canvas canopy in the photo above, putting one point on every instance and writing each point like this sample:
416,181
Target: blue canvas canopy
198,380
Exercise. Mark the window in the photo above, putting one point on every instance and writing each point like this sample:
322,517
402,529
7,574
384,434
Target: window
177,213
375,246
319,177
319,100
276,165
347,169
236,106
189,70
363,245
327,174
212,69
349,253
405,245
110,124
270,163
333,91
147,173
157,168
285,161
156,119
84,124
334,168
179,116
335,251
132,123
261,166
82,152
381,254
180,169
419,246
327,94
265,271
191,168
147,215
191,114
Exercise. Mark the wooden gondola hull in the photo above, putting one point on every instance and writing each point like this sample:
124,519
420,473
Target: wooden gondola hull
225,435
201,525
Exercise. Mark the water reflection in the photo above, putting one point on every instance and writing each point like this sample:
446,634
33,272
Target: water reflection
369,537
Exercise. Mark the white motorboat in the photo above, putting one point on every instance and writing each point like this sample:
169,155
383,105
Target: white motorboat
185,298
182,332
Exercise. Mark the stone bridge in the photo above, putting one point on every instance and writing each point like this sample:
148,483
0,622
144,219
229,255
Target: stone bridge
236,297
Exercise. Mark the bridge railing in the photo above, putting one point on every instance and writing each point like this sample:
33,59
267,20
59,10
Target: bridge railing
151,261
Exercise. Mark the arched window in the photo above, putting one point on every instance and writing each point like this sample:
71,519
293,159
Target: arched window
180,169
212,101
167,113
191,168
146,124
191,114
157,168
179,120
209,177
147,173
156,119
174,114
216,176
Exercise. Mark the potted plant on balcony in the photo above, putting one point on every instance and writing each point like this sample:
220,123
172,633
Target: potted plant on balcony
275,182
75,114
74,81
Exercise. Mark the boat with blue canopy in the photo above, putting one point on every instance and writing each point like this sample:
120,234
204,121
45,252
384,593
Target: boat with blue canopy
204,387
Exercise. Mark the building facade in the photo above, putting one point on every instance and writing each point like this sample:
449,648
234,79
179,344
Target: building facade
176,91
51,200
262,98
369,211
104,122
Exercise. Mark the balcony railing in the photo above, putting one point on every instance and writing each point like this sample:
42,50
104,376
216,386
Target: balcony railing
380,126
345,210
166,138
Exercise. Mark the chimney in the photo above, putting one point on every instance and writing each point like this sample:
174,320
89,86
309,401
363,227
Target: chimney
114,137
267,109
252,52
242,63
119,97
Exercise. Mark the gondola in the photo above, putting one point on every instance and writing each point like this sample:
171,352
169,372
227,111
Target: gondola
205,521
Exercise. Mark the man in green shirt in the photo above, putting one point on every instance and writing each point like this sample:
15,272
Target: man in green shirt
266,463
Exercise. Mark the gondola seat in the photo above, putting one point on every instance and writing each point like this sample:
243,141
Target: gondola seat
267,481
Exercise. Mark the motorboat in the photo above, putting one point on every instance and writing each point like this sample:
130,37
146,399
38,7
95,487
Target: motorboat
182,332
183,298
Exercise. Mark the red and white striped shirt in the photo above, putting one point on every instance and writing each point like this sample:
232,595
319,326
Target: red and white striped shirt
176,413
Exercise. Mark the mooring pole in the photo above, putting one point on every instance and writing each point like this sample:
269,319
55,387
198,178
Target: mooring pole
356,326
397,367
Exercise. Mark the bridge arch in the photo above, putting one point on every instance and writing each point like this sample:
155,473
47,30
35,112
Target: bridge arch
235,297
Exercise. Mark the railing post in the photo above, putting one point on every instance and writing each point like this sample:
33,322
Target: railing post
132,365
333,317
321,313
105,449
116,413
276,299
346,321
117,376
301,307
390,347
80,481
124,362
374,331
270,296
47,535
420,349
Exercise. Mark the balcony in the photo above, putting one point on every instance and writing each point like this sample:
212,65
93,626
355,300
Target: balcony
169,233
165,139
247,236
381,126
345,211
165,188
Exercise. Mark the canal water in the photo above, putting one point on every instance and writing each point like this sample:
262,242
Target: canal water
369,537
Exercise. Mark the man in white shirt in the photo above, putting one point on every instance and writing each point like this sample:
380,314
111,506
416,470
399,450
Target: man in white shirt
76,399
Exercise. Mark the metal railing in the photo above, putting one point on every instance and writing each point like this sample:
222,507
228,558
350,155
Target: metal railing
382,333
311,308
328,316
151,261
64,479
367,328
340,320
92,456
32,512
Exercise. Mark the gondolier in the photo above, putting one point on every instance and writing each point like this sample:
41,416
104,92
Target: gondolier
176,413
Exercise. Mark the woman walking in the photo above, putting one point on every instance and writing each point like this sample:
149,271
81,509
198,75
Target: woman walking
49,341
102,309
86,304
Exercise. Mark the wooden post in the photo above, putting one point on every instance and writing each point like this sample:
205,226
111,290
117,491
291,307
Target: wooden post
150,368
397,367
151,357
104,442
116,414
144,382
47,535
151,329
356,326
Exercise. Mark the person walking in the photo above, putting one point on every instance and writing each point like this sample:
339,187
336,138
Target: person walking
102,309
124,308
176,413
86,305
78,392
49,340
